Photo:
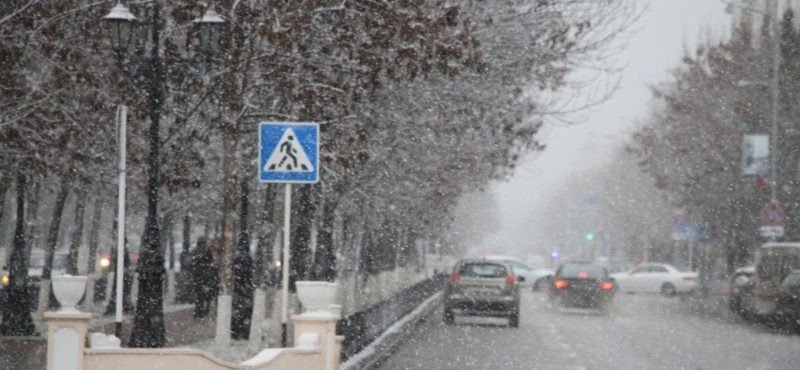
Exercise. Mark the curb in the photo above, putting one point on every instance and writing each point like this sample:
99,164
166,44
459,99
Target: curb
383,346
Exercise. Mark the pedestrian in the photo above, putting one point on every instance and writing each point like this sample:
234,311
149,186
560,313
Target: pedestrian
205,278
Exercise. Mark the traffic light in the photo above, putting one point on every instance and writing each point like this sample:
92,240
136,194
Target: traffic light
589,237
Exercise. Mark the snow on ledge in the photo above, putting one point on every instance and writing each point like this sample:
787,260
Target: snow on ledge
352,362
262,357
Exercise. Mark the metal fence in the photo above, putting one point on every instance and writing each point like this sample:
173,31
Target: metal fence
361,328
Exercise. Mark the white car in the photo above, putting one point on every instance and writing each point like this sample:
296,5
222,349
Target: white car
540,277
520,268
656,278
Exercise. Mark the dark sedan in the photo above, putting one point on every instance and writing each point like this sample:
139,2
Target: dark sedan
584,285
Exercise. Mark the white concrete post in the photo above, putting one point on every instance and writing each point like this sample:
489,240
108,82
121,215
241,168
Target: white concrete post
324,326
66,339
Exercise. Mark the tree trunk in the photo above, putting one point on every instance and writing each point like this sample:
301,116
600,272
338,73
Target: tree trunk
33,217
187,294
224,301
300,255
5,184
325,261
52,243
262,262
17,318
168,240
91,261
77,233
242,272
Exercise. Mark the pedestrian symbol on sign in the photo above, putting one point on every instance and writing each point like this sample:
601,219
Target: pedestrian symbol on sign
288,156
288,152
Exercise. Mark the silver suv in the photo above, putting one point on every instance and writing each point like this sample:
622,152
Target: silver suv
482,287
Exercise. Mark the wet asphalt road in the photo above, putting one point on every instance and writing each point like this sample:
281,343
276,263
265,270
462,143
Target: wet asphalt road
638,332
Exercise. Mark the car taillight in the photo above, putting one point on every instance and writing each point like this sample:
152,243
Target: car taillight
455,277
560,284
510,279
607,285
583,275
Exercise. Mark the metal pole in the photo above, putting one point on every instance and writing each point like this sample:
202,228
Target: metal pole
287,213
776,62
122,117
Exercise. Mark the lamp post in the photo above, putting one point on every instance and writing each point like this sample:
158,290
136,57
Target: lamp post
148,72
776,65
774,94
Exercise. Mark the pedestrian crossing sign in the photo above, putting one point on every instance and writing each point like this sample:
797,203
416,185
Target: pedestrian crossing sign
289,152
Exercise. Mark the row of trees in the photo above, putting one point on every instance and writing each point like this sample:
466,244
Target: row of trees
691,143
419,102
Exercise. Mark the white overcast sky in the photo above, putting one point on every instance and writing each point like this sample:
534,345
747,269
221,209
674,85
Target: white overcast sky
654,47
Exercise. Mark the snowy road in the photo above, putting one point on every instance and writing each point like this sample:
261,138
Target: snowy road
640,332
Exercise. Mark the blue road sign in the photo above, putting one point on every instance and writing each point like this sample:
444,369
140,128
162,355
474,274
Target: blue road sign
289,152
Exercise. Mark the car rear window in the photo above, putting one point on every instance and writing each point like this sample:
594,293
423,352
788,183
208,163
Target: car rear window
775,265
482,270
792,281
582,271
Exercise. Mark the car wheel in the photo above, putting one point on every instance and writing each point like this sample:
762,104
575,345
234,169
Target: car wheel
449,317
513,320
668,289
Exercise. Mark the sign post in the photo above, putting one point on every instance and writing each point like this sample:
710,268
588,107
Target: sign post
289,154
772,217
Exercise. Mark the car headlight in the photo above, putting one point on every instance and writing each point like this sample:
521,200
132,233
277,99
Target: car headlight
105,262
6,279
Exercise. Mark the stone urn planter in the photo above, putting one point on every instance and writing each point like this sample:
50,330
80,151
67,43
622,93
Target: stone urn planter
68,291
316,296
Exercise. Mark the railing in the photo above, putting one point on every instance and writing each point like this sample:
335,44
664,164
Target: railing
361,328
316,345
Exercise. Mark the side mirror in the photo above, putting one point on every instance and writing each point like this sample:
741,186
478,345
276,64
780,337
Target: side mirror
520,279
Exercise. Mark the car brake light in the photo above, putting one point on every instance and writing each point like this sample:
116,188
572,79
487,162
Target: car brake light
510,279
606,285
455,277
582,275
560,284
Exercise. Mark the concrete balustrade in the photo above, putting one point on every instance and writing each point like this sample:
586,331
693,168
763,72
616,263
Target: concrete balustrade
317,347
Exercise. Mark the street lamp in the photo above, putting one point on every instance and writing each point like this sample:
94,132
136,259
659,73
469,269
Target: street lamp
210,28
121,26
149,71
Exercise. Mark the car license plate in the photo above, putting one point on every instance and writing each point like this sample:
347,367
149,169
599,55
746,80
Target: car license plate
479,291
